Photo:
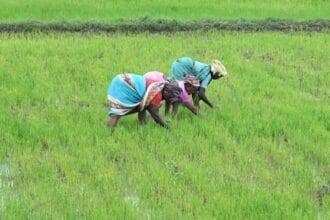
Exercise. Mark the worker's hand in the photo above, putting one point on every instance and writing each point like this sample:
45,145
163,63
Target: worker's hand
168,120
215,105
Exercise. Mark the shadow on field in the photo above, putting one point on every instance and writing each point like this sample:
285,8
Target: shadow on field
155,26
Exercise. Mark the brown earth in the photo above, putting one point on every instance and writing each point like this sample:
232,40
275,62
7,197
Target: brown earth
155,26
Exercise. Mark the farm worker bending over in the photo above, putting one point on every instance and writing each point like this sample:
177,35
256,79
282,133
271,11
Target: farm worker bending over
185,66
189,86
130,93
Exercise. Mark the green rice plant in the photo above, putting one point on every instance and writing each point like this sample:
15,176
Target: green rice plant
115,10
261,153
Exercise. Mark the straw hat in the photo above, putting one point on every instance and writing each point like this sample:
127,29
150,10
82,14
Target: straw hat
218,68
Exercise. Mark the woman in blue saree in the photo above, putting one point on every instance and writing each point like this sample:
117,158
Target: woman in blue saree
205,73
131,93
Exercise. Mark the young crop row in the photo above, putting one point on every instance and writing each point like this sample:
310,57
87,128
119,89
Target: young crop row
261,153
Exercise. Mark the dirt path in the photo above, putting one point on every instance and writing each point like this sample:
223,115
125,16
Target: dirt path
156,26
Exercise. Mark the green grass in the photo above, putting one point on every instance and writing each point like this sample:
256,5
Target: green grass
110,11
260,154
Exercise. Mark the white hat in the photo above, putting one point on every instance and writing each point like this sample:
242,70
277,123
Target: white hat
218,67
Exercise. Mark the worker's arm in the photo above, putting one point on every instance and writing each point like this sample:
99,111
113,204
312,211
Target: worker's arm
191,107
154,112
175,108
202,96
167,107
